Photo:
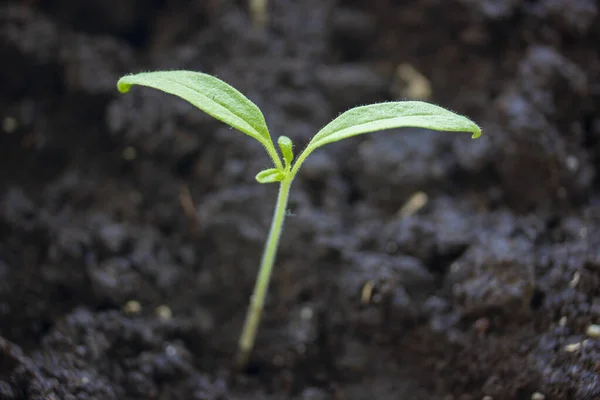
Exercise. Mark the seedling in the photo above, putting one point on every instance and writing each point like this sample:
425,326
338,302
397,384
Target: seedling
228,105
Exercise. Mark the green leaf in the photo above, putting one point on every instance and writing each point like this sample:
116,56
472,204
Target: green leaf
270,175
376,117
209,94
286,146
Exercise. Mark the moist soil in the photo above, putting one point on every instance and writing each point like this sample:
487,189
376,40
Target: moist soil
413,264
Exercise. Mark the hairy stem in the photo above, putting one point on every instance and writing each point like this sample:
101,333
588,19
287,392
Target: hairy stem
274,156
257,301
303,156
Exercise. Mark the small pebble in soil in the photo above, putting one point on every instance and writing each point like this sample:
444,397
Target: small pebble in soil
306,313
9,124
538,396
171,351
163,312
572,163
132,307
572,347
416,202
366,293
593,331
575,280
411,83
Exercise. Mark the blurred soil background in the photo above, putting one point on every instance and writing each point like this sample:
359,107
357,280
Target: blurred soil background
416,264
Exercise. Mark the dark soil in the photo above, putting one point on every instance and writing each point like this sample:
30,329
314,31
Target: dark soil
131,225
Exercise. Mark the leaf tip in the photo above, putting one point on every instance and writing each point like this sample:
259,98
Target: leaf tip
123,84
476,133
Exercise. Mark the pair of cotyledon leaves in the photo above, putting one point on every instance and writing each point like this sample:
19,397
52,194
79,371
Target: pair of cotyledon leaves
228,105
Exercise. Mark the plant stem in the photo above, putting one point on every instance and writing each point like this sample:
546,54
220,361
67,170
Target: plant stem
257,301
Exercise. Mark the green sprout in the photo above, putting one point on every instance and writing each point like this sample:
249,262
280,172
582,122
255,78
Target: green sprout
228,105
